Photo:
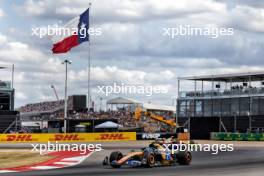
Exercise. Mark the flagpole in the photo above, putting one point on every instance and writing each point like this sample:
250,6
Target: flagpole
89,62
66,62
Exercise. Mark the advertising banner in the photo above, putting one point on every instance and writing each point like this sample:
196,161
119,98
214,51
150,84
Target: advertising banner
68,137
238,136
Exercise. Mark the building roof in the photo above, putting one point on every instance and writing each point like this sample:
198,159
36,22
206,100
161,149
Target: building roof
121,100
147,106
108,124
150,106
232,77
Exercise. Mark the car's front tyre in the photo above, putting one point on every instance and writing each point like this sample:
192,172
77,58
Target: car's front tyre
115,156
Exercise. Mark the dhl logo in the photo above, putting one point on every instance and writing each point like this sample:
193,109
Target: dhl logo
19,137
66,137
109,136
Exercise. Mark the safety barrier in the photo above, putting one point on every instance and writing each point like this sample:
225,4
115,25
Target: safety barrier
237,136
68,137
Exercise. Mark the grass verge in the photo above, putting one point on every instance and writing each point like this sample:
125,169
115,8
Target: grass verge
16,158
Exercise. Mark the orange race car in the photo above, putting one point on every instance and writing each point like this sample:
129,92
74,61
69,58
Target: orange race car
153,155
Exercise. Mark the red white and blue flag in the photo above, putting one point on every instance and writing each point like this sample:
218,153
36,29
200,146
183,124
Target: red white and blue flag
74,33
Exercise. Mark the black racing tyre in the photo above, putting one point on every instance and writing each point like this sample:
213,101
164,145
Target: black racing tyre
184,158
151,160
115,156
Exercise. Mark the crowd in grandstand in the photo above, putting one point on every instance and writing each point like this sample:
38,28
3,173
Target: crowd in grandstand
42,106
125,117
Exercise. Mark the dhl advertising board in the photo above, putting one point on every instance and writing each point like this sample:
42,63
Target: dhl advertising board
68,137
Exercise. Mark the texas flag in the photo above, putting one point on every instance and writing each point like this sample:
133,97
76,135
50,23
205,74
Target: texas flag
74,33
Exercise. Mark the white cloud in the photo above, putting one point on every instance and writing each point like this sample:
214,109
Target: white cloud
3,39
2,13
68,11
132,48
21,96
20,52
34,8
124,10
247,18
34,70
110,74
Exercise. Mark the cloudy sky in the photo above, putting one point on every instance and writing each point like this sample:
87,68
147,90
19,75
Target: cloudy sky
132,48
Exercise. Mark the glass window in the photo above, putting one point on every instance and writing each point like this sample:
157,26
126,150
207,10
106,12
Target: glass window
198,108
261,105
207,108
226,107
182,108
255,105
217,107
234,106
244,106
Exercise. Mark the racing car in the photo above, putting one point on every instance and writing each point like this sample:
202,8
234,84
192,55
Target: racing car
153,155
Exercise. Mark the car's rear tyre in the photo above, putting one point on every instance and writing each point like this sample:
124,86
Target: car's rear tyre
184,158
115,156
151,160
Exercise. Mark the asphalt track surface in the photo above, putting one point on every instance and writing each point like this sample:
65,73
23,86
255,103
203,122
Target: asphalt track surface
243,161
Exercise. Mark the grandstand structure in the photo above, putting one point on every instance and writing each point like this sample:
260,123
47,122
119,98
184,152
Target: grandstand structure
48,116
45,109
6,96
8,116
223,102
151,116
43,112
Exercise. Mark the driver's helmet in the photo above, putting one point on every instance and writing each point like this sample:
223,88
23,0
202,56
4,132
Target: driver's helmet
159,140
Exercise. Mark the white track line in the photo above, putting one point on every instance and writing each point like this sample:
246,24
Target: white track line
6,171
65,163
77,158
44,167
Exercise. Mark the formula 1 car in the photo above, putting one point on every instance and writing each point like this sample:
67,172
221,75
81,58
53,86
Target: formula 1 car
153,155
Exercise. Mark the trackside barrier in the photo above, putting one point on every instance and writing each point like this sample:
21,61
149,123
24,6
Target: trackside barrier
237,136
68,137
